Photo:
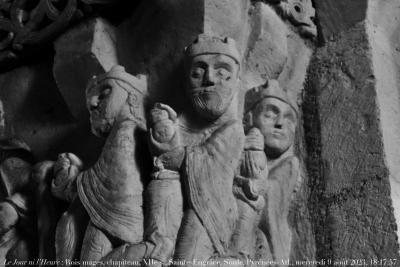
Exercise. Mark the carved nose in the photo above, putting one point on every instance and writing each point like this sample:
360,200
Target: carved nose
93,102
209,78
279,122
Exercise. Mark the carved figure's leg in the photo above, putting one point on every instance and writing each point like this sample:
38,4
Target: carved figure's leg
193,241
164,199
70,231
95,245
164,203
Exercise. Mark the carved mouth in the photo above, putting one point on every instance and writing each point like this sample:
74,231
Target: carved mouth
278,134
308,29
204,90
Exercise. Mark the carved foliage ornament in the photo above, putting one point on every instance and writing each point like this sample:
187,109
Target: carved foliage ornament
29,23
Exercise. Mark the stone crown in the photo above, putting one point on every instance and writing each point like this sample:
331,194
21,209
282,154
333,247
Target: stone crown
206,44
117,72
270,89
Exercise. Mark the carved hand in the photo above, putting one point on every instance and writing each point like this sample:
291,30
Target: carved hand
252,188
66,167
254,140
164,120
8,217
171,160
163,132
254,164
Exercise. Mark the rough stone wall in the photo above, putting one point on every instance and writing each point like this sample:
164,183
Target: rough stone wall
349,180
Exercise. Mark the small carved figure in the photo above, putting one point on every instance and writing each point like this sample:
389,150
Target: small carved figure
211,142
164,195
270,110
110,191
249,188
300,13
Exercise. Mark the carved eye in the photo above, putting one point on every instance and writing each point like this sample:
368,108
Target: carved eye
104,93
197,72
297,8
289,116
270,114
223,73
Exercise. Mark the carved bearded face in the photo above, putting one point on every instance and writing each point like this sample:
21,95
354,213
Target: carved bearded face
105,102
277,123
213,81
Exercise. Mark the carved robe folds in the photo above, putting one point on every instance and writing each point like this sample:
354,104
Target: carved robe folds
106,189
208,178
283,179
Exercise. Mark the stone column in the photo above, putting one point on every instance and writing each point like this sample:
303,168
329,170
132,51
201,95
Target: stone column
350,116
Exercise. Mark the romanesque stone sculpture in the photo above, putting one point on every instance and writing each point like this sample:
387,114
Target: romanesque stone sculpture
211,144
300,13
110,191
163,195
198,142
17,220
250,185
269,109
231,184
17,198
200,150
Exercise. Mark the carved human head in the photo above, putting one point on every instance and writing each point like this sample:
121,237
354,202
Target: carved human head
212,67
113,97
269,109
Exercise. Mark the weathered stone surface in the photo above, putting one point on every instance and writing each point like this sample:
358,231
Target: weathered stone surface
383,35
349,180
299,13
270,112
86,50
111,190
336,16
267,31
17,202
294,73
